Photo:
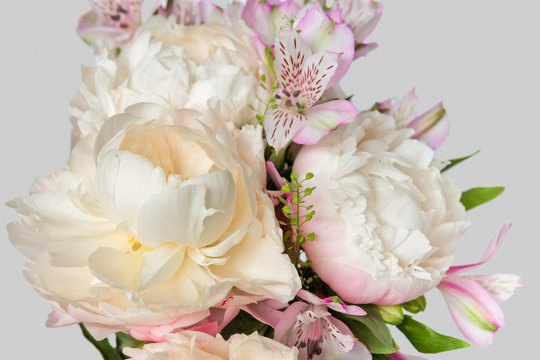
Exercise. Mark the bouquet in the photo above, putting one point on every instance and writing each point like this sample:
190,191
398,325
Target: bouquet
224,199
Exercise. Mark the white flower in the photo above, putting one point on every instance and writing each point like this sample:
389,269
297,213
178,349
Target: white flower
152,221
385,216
175,66
200,346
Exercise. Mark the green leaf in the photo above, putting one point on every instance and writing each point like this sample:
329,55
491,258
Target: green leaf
124,340
416,305
478,196
103,346
454,162
380,357
371,330
426,340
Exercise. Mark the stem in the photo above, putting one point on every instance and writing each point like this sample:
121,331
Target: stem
103,346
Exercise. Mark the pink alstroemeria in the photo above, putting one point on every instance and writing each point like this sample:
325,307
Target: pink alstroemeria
432,127
473,300
194,12
362,16
115,20
316,333
303,77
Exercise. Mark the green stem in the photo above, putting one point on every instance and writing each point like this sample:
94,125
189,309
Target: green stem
103,346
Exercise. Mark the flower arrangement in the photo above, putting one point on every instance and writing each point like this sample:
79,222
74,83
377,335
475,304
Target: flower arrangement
224,198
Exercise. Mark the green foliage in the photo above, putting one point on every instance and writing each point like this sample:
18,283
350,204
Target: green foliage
454,162
478,196
380,357
371,330
124,340
416,305
426,340
103,346
391,314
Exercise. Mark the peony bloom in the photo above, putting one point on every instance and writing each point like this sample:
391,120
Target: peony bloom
200,346
385,216
175,66
316,333
473,299
153,223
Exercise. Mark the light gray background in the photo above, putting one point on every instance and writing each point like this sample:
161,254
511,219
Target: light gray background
481,57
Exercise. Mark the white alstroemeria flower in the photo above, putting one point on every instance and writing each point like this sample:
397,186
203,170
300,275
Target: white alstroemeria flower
153,221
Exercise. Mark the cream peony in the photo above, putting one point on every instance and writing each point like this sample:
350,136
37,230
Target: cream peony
385,216
153,223
175,66
200,346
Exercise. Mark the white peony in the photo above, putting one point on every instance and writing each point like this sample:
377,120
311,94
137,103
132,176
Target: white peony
152,221
200,346
385,216
175,66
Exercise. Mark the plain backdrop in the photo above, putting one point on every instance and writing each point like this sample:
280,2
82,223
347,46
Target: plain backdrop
481,57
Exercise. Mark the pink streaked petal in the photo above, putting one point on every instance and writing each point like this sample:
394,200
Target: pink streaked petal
118,13
323,118
432,127
274,174
491,250
324,35
364,49
312,298
475,312
287,321
436,135
316,74
281,125
291,54
256,14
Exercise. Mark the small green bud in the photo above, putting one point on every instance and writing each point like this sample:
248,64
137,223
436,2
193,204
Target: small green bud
286,189
309,176
309,207
308,191
296,198
273,86
294,176
300,239
416,305
294,221
311,237
391,314
310,216
286,210
287,235
263,78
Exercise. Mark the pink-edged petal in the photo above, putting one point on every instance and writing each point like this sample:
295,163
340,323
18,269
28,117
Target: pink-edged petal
312,298
264,313
400,356
347,309
362,16
475,312
432,127
491,250
291,54
281,125
364,49
118,13
274,174
287,321
323,118
324,35
266,18
501,287
59,318
403,110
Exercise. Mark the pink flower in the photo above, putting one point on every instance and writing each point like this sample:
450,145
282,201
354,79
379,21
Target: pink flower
431,127
303,77
472,300
111,22
316,333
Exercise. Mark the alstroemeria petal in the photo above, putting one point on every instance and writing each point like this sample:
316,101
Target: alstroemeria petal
432,127
281,125
500,286
323,118
118,13
474,311
267,18
324,35
493,246
316,75
291,54
287,321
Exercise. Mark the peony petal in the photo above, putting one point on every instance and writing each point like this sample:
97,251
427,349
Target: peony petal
124,181
323,118
474,311
281,125
118,269
492,249
160,264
